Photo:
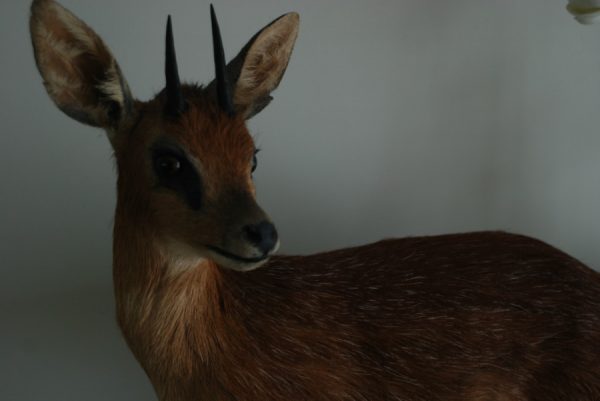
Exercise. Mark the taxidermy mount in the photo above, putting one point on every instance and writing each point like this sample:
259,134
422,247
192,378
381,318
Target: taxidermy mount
211,314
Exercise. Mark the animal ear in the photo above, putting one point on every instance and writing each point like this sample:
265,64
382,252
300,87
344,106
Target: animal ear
79,72
258,68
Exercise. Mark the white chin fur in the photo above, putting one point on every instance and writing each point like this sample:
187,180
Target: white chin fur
227,263
235,264
183,257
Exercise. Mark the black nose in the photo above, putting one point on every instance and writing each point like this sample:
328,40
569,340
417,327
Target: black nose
262,235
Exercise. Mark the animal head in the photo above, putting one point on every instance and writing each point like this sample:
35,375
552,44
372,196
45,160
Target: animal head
185,158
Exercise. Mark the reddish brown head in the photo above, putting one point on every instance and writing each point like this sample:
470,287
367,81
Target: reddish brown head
185,158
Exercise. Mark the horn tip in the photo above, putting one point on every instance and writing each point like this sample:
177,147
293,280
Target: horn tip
213,15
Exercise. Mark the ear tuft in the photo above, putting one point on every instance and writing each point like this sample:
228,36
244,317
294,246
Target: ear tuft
79,72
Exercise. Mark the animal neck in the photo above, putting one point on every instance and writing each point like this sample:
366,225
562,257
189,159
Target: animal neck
164,307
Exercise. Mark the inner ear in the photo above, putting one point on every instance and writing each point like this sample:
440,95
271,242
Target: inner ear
80,74
265,63
258,68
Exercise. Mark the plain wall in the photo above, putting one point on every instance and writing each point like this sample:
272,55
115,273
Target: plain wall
394,118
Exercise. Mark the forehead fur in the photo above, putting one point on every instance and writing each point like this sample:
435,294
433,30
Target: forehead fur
222,144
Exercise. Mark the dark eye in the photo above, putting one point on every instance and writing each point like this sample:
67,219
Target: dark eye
254,160
168,165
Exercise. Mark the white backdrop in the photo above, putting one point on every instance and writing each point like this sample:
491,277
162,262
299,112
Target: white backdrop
394,118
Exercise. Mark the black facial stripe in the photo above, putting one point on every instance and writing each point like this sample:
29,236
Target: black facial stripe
186,182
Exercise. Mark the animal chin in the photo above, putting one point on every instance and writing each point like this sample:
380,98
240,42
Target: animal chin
234,261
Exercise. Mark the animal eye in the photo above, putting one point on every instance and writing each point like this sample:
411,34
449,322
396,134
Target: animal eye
168,165
254,160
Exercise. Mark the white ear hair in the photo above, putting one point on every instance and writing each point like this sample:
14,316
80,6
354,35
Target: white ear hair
258,68
80,74
265,62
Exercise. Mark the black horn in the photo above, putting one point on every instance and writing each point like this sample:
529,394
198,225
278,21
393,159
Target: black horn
223,87
175,104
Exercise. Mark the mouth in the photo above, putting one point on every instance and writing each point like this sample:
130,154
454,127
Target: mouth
237,258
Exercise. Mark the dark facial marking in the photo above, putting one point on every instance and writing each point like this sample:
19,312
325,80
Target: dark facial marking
176,172
254,160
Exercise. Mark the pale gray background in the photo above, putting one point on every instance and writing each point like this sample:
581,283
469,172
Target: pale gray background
395,118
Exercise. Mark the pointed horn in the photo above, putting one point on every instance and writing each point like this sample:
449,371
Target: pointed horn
175,104
223,88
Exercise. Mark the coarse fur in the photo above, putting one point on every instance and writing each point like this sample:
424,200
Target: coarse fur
480,316
486,316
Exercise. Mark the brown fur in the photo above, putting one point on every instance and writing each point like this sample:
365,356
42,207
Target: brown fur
482,316
478,317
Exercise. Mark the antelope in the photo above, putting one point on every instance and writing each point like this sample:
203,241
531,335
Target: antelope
211,314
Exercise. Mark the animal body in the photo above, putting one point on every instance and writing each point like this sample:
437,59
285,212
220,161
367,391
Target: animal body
210,314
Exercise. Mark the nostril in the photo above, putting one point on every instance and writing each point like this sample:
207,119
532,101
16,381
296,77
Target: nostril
253,234
262,235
